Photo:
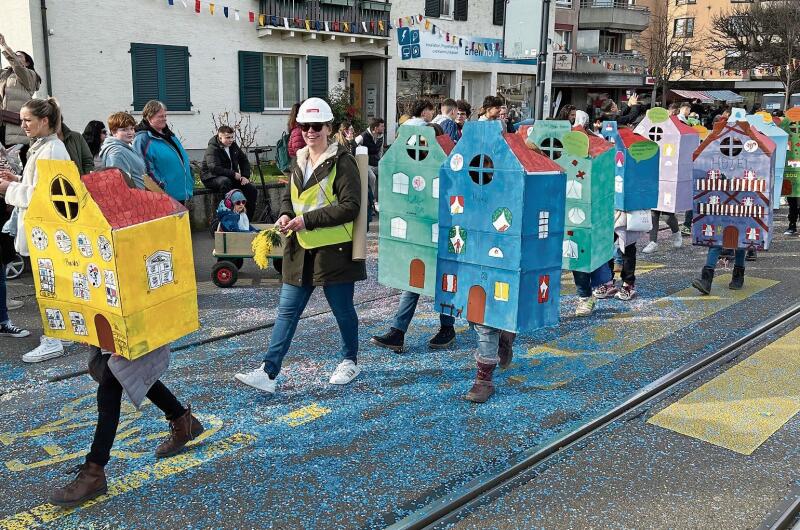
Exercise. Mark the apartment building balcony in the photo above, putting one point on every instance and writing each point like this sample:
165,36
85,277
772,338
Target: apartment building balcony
613,15
344,21
606,69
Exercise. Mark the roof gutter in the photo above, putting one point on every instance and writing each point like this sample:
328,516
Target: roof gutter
46,39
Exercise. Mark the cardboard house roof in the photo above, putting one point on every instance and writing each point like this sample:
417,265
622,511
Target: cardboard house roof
682,127
124,206
531,161
597,144
764,143
629,137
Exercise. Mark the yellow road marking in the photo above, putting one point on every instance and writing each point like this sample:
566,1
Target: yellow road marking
741,408
47,513
603,342
304,415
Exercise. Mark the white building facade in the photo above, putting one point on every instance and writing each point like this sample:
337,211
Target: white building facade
258,57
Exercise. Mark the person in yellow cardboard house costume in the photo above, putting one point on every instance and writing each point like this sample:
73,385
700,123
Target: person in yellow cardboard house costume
109,261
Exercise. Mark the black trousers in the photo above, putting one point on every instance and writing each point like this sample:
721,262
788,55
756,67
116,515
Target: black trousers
224,185
109,401
793,210
672,223
628,263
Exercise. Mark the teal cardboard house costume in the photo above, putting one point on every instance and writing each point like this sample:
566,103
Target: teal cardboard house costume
636,165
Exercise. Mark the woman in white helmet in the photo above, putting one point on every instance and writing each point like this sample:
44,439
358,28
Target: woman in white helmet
317,213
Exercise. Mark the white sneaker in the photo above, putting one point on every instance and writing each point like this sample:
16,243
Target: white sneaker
12,304
258,379
48,348
377,208
677,239
650,248
345,372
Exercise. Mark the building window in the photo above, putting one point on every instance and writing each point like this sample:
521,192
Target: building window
682,61
683,27
400,183
734,61
481,169
564,4
281,81
435,233
730,146
449,283
684,2
655,133
446,8
452,9
399,228
552,147
501,291
563,40
544,224
609,42
435,188
417,147
162,73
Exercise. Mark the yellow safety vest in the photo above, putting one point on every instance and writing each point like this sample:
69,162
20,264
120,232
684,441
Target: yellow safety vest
315,197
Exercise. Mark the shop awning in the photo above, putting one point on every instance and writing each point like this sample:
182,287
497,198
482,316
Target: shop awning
694,94
727,96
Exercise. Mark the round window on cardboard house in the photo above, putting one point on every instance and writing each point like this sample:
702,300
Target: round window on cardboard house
655,133
730,146
552,147
481,169
64,198
417,147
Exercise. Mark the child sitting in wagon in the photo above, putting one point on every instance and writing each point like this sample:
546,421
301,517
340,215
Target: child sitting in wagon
232,214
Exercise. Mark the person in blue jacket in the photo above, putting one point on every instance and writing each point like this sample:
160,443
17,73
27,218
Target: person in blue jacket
232,213
166,160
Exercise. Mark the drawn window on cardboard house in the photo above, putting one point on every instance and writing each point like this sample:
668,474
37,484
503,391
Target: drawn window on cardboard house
159,269
481,169
552,147
399,227
544,225
64,198
417,147
730,146
400,183
655,133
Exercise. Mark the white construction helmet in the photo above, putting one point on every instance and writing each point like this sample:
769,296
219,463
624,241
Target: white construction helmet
314,110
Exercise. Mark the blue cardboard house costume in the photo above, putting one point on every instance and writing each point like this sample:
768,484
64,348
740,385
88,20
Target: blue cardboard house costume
501,223
409,221
733,170
588,162
636,165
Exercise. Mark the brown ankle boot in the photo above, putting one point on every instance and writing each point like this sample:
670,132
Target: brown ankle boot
90,483
483,388
506,349
182,430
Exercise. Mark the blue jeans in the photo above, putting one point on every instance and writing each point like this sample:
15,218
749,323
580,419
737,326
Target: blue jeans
488,344
714,252
292,303
406,309
3,294
586,281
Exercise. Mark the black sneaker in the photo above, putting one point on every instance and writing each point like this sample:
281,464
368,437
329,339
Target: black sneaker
791,231
394,340
7,329
750,255
443,339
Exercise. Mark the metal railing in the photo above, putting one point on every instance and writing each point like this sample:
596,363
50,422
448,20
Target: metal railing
334,12
619,4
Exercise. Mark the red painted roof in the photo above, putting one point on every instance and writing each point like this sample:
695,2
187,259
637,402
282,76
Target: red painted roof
629,137
682,127
532,161
597,145
742,127
124,206
446,143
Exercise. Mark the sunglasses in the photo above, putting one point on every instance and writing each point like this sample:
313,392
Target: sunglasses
316,127
240,203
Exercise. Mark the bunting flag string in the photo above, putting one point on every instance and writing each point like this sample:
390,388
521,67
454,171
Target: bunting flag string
373,26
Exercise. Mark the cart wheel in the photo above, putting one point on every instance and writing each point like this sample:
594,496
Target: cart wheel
15,267
224,274
277,264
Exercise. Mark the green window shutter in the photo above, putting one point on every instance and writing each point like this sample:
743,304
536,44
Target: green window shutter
460,11
175,86
433,8
499,12
144,64
317,76
251,82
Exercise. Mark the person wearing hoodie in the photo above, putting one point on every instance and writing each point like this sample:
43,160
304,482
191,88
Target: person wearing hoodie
447,119
165,158
232,213
225,168
317,214
77,148
117,150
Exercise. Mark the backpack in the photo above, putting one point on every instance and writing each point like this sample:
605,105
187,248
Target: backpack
282,159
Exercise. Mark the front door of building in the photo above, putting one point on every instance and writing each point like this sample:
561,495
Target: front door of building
417,274
476,304
730,237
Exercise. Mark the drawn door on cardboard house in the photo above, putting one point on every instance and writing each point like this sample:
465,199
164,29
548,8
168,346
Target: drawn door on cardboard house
417,274
476,304
104,333
730,237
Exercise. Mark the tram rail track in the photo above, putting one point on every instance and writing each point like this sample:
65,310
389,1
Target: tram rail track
452,507
786,516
